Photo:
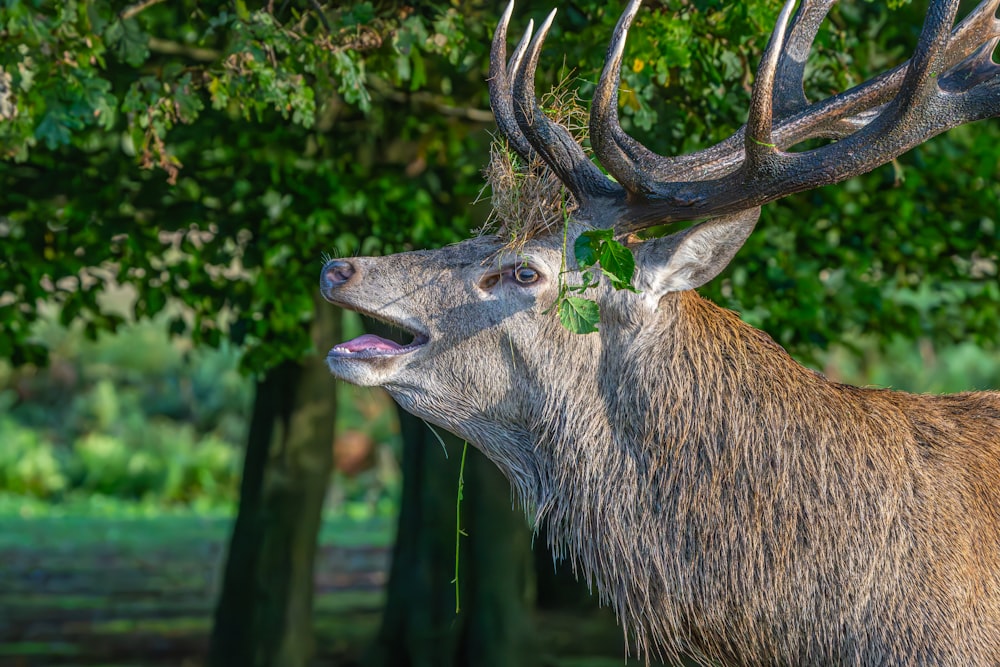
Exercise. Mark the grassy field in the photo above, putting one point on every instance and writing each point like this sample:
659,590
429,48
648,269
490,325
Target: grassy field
123,585
133,588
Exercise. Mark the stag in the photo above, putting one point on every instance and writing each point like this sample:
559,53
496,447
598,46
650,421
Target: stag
729,503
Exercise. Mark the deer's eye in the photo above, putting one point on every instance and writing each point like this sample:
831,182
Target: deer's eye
522,276
525,275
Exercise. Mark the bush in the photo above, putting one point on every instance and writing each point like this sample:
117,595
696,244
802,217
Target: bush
104,464
915,366
158,459
28,465
133,415
206,469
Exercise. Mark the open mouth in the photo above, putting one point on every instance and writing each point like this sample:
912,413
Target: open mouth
371,346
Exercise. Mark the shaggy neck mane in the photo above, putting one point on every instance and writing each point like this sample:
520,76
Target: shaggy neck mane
682,528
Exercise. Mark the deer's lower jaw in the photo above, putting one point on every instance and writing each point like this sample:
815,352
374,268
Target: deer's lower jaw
370,346
371,360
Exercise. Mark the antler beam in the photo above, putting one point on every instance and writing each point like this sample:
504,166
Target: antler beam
950,80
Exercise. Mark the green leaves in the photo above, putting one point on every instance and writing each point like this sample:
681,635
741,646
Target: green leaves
597,254
256,64
579,315
127,41
585,250
598,246
360,14
349,70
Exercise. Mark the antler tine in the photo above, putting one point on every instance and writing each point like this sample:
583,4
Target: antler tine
499,84
616,150
977,78
564,156
983,19
789,93
971,85
758,144
927,61
977,83
515,59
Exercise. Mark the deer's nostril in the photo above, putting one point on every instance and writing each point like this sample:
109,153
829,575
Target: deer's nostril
336,273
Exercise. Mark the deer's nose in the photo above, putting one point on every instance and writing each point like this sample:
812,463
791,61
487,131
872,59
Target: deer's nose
335,274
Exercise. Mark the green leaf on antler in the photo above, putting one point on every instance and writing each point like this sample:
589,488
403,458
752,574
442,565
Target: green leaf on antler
585,248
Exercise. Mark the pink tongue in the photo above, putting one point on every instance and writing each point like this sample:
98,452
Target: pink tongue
370,342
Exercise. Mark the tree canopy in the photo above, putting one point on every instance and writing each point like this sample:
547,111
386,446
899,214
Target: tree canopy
211,153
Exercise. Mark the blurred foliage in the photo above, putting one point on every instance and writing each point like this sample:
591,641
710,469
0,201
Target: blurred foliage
210,153
917,367
142,416
131,415
28,465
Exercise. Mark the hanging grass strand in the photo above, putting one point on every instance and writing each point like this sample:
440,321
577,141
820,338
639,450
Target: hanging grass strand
458,521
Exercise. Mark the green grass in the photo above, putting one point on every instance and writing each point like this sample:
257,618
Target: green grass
117,584
122,534
347,602
153,626
40,649
126,586
29,522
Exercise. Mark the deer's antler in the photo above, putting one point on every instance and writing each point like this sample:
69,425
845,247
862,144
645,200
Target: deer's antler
525,125
950,80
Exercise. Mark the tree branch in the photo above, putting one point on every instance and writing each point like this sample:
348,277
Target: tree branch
132,10
437,104
322,16
170,48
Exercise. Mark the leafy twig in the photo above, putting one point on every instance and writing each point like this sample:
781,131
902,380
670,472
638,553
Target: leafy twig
597,253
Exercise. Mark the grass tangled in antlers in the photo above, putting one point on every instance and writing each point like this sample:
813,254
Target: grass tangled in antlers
527,198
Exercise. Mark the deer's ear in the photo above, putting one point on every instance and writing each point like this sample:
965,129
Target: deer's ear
691,258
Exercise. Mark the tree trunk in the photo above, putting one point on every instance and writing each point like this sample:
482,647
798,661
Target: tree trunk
263,617
501,575
420,627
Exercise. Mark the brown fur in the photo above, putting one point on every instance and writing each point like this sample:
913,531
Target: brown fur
796,521
728,502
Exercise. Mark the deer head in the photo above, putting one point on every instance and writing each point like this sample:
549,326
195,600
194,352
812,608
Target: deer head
609,436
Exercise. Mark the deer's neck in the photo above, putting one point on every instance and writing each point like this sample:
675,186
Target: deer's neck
704,427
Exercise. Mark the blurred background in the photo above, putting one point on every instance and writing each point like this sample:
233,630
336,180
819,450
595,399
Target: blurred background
183,483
